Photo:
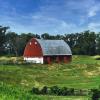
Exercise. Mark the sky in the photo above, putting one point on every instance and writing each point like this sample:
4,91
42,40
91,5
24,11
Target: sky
50,16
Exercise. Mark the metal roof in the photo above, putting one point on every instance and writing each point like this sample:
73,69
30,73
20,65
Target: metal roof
54,47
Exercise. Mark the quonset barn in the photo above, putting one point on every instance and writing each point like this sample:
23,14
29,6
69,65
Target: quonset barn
47,51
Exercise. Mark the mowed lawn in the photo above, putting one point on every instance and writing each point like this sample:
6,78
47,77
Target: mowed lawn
83,72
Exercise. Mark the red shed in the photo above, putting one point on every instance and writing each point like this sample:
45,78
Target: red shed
47,51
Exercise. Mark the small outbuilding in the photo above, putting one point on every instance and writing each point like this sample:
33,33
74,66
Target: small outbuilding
47,51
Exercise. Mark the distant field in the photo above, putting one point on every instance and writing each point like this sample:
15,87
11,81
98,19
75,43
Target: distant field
83,72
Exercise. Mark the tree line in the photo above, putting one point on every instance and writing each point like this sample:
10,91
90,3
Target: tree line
82,43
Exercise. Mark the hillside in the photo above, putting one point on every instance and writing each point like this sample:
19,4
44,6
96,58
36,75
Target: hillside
82,73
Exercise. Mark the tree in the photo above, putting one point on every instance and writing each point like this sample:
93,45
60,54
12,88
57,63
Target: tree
98,44
2,38
12,40
45,36
89,44
15,44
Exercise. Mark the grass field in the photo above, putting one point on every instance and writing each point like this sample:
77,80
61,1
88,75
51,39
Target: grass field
17,80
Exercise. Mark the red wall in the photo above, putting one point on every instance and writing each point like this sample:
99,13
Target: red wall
33,49
58,59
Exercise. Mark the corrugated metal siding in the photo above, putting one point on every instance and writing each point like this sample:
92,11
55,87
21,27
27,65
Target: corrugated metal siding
54,47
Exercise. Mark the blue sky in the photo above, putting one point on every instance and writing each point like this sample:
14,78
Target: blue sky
51,16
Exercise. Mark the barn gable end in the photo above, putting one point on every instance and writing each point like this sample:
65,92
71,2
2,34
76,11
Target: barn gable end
33,52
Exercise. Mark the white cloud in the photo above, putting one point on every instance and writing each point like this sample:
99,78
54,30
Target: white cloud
53,25
94,26
67,26
93,11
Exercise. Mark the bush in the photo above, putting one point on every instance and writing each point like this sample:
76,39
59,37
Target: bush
55,90
44,90
71,91
98,58
96,94
64,91
35,91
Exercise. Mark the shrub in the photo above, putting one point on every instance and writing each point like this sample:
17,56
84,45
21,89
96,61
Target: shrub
71,91
98,58
35,90
54,90
96,94
64,91
44,90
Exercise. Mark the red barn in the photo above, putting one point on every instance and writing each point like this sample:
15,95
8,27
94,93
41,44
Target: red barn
47,51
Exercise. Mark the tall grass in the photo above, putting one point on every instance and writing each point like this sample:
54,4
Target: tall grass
82,73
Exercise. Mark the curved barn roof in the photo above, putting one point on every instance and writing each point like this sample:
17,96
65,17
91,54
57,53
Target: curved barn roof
54,47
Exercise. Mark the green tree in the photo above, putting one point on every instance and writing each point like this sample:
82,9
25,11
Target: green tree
2,38
12,42
45,36
98,44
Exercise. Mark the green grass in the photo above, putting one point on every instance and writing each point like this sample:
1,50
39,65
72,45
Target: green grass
9,92
83,72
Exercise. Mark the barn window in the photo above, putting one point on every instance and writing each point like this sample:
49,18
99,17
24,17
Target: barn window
30,43
35,42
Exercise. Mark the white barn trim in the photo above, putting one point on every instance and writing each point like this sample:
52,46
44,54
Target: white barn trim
34,59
